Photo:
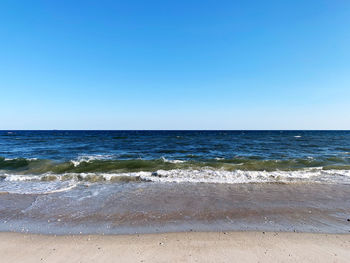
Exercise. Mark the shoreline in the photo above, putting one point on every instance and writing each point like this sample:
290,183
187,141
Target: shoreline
157,207
176,247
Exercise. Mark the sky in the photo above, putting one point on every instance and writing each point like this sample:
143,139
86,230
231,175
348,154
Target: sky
181,64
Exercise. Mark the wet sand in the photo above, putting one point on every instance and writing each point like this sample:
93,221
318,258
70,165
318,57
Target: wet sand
177,247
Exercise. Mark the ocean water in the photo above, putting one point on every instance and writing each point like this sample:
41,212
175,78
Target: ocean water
145,181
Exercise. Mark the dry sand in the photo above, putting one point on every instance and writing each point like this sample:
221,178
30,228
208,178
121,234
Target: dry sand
176,247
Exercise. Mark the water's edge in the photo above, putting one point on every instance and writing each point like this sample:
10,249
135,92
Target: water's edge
169,207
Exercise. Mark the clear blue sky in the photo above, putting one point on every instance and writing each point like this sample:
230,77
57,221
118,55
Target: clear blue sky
175,64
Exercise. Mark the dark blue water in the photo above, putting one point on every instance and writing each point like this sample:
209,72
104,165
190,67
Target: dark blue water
182,145
176,156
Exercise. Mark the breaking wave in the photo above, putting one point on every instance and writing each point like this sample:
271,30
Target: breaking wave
196,176
48,176
106,164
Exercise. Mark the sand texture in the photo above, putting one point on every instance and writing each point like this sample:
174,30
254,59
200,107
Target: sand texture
177,247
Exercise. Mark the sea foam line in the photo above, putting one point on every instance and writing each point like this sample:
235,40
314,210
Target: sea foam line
198,176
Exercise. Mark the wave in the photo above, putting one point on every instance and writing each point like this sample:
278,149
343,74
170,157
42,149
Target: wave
195,176
172,161
103,168
89,158
106,164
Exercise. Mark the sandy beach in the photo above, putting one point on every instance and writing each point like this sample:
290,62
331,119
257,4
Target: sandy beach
177,247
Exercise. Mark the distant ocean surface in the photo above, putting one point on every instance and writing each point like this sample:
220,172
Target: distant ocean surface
58,168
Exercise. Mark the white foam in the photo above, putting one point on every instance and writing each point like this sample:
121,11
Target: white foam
206,175
235,177
171,161
20,177
89,158
28,159
63,189
239,176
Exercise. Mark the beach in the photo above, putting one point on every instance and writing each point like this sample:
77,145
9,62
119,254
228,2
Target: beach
177,247
174,131
174,196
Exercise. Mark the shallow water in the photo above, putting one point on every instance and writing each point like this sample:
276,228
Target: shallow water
167,207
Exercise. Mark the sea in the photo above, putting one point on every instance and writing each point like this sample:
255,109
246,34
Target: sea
130,182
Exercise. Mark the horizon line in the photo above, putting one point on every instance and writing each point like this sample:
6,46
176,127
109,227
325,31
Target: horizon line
1,130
